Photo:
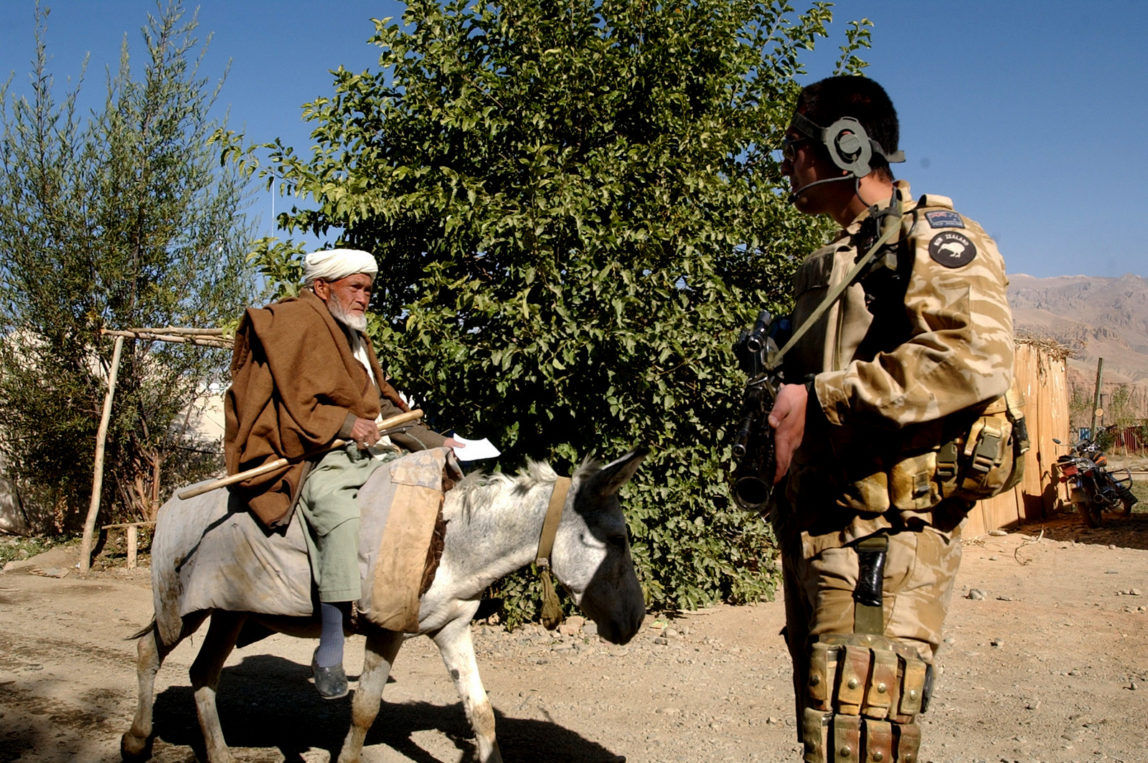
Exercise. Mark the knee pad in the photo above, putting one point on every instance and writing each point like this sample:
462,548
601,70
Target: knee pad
862,696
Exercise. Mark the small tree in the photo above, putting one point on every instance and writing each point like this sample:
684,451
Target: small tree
1080,406
575,208
119,220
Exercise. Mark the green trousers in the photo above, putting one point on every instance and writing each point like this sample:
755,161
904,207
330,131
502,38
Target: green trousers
327,503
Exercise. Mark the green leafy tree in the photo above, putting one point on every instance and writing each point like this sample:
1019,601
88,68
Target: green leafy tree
1080,406
575,207
122,219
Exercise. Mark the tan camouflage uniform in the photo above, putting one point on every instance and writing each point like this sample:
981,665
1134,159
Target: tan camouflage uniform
887,385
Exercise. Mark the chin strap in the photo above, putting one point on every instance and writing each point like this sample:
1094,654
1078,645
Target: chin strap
551,609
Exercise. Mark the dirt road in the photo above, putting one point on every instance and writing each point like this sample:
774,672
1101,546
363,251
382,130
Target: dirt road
1046,659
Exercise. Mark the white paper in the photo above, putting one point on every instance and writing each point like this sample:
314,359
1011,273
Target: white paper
474,450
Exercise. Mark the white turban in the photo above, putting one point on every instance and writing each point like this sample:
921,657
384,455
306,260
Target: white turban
333,264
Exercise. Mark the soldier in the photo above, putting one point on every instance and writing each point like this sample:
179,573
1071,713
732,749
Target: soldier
888,377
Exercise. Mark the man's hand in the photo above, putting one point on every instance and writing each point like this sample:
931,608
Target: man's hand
788,420
364,433
450,442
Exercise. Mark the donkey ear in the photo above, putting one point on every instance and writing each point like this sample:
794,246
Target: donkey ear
618,473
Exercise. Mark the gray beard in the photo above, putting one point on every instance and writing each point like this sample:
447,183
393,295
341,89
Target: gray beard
355,322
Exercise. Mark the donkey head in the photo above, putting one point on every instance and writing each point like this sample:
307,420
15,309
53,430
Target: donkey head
592,549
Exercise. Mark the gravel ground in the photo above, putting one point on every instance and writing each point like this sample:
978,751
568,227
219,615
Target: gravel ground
1045,660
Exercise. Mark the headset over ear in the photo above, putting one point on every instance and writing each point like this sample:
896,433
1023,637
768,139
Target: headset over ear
849,146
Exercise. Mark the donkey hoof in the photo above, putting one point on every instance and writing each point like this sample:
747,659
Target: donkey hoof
133,748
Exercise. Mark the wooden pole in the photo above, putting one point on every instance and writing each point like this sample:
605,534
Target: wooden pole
387,426
156,473
202,337
98,469
133,545
1095,399
205,340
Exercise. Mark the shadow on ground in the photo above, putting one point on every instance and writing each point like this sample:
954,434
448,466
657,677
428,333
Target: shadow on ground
267,702
1116,530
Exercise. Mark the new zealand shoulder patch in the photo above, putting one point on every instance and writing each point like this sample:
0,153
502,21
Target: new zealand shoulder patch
952,249
944,218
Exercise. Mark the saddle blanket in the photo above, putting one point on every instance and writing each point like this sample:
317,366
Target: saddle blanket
209,552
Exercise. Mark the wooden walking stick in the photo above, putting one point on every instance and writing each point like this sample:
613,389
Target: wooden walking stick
386,426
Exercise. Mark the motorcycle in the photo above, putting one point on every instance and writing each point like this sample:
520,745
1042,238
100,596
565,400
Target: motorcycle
1092,487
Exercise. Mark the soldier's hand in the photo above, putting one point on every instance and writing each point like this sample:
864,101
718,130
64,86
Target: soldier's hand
788,421
364,433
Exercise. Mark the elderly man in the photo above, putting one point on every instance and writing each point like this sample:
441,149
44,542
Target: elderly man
304,374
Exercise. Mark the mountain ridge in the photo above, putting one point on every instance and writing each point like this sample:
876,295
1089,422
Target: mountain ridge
1094,318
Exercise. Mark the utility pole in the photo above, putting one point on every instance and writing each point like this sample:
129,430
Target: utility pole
1096,400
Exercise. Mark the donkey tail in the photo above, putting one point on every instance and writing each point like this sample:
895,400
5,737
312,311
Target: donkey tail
142,631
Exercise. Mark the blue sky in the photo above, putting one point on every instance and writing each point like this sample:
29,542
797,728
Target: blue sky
1030,114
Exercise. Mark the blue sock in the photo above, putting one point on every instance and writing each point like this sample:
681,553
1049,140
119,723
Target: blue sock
330,651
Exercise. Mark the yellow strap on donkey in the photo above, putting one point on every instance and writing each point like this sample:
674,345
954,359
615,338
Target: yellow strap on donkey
411,544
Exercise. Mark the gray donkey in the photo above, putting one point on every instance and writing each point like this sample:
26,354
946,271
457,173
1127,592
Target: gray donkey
494,524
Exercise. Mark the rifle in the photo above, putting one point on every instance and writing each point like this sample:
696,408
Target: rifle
760,358
753,448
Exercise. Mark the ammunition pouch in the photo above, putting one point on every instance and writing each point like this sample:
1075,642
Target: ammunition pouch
864,693
989,459
983,459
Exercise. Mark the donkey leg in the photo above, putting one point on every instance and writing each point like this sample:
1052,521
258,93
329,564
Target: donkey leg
135,744
457,649
382,646
217,644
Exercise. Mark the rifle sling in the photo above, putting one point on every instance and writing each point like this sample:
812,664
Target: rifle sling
893,225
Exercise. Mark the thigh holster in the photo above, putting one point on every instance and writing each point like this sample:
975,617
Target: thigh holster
864,692
868,606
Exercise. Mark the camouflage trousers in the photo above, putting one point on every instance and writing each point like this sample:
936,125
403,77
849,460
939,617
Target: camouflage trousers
820,577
